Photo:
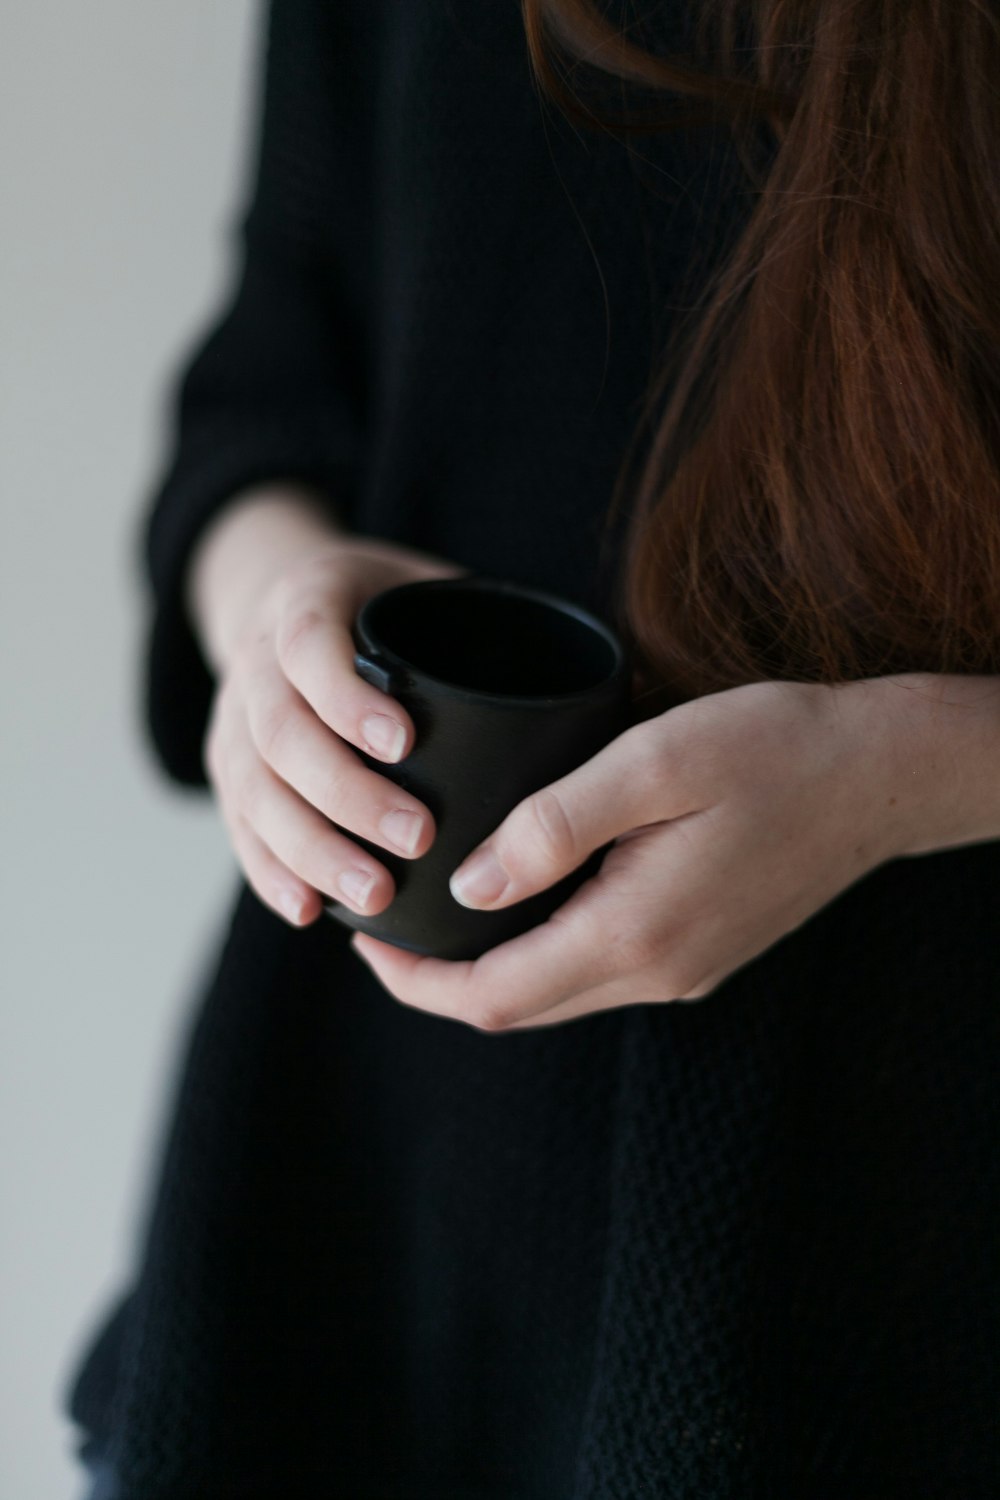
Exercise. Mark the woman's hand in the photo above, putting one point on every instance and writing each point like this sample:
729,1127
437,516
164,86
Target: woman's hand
735,817
288,710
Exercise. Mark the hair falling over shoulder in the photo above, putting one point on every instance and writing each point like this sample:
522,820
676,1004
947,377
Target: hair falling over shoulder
818,496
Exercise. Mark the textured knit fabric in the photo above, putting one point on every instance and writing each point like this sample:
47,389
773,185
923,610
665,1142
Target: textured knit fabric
741,1248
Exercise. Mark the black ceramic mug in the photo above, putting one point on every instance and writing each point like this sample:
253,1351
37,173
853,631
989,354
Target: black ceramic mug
509,688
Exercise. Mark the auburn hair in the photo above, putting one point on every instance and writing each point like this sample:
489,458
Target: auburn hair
813,483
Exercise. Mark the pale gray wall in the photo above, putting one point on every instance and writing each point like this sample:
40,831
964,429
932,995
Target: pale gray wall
122,149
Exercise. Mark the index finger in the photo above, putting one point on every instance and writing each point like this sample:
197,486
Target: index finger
315,649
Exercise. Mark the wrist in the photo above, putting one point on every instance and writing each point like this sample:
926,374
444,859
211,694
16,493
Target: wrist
941,733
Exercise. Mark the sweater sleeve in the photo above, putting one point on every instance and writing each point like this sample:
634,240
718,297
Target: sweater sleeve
274,388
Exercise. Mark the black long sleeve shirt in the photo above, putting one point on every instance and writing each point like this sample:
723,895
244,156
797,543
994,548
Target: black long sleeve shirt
744,1248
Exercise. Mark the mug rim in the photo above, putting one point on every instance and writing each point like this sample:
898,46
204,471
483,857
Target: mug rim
494,584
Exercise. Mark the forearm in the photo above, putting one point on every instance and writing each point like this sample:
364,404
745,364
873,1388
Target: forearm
946,756
258,533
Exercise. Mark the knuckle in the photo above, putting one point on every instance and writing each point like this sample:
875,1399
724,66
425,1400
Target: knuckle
272,724
247,789
342,804
248,796
487,1013
351,813
547,827
300,855
296,627
216,734
248,853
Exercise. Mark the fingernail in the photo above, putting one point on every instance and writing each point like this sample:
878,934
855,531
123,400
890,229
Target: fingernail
357,884
480,880
403,828
383,735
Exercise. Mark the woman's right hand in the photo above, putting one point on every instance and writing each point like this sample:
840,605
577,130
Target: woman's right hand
287,714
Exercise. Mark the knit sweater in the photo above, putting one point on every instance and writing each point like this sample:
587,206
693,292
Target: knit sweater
742,1248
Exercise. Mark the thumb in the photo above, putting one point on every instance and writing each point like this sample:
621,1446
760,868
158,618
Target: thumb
552,831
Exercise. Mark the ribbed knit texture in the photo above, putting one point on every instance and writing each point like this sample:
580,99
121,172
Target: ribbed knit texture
742,1248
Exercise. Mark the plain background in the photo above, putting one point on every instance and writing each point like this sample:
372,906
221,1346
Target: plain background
123,154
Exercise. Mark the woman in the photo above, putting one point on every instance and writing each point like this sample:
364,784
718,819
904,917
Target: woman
528,1226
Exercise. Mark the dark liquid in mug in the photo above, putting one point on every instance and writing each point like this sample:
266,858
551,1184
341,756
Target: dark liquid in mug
490,643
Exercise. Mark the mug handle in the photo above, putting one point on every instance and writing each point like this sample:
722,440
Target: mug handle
379,673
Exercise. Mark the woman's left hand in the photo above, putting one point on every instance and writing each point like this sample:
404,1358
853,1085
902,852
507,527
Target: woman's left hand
735,817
